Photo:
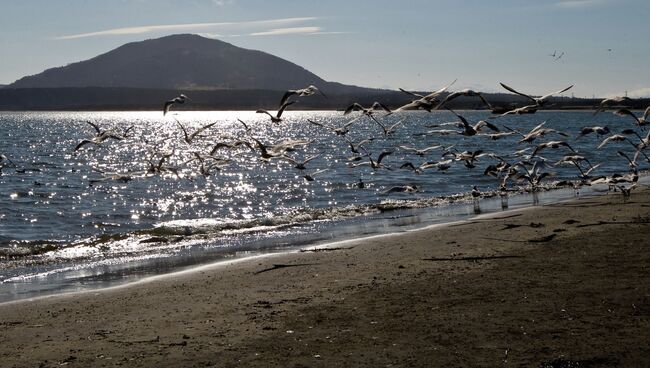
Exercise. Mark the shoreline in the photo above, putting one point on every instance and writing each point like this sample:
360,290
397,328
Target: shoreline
452,212
558,284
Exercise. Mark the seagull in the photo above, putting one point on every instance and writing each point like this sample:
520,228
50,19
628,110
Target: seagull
539,101
536,132
115,176
427,102
375,164
188,138
497,136
300,92
268,152
612,101
419,169
160,167
343,130
528,109
476,194
551,144
277,118
573,159
367,111
639,121
615,138
469,157
205,169
247,129
595,129
176,100
631,162
300,165
310,177
469,130
402,189
391,129
420,152
100,137
533,176
354,147
466,93
4,158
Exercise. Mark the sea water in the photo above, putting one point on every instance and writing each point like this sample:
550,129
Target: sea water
65,224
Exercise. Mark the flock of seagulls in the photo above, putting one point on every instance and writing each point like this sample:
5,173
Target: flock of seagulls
522,168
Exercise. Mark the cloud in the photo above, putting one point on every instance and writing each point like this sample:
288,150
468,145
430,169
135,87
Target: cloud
578,3
285,31
191,27
222,2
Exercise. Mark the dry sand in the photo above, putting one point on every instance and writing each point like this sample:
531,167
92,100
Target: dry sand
556,286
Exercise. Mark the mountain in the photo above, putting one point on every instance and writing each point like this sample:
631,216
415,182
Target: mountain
182,62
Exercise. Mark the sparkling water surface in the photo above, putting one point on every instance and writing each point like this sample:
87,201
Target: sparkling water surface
65,221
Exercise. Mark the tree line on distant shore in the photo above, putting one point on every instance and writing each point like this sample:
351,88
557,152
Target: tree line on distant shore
101,98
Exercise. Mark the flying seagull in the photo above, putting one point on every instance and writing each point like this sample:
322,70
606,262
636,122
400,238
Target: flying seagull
300,92
176,100
277,118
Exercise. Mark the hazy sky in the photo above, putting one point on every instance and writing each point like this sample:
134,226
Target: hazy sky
411,44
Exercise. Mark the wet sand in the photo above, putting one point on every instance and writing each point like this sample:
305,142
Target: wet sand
564,285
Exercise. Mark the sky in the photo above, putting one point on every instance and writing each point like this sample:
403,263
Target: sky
418,44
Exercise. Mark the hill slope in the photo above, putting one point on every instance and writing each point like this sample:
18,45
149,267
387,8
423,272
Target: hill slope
182,61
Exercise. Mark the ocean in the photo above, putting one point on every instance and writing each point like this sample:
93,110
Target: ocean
69,223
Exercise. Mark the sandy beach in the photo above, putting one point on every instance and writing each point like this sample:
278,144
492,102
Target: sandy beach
564,285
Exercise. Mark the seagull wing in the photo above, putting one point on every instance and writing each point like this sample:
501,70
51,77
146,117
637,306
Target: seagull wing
201,129
382,155
317,124
286,96
435,94
516,92
354,107
411,93
484,100
483,123
94,126
83,143
283,107
555,93
379,106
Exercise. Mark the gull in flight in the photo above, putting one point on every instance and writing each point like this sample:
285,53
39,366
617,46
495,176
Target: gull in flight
176,100
471,130
311,177
300,92
639,121
277,118
343,130
466,93
427,102
536,132
375,164
189,138
539,101
612,101
551,144
595,129
101,136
